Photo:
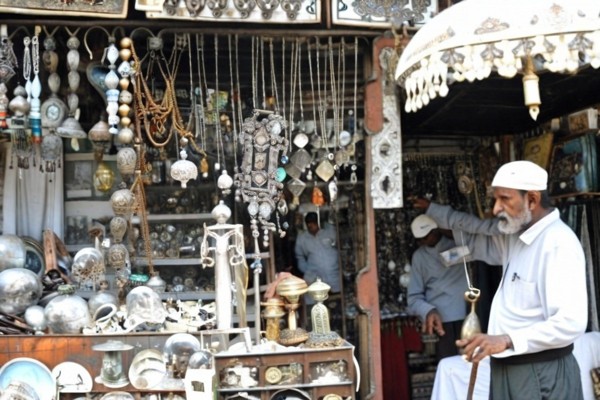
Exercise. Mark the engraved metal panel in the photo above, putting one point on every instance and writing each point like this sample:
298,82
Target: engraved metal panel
386,149
380,13
263,11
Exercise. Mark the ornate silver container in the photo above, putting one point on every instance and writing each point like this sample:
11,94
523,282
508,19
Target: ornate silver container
67,312
19,289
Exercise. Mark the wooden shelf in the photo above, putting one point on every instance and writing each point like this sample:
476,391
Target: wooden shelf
309,358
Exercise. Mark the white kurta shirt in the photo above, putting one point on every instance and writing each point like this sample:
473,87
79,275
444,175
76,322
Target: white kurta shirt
541,302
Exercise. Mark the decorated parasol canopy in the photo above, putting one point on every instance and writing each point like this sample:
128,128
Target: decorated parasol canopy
475,39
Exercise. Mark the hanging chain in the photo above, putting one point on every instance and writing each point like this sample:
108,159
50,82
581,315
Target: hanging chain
342,87
262,57
233,104
312,83
334,91
217,116
283,81
203,88
355,117
273,78
239,97
469,285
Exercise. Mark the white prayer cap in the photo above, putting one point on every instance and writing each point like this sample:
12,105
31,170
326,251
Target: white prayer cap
521,175
422,225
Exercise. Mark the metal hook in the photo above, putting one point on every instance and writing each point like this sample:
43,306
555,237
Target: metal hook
21,27
85,38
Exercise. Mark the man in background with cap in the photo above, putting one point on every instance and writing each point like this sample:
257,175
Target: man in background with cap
540,307
435,291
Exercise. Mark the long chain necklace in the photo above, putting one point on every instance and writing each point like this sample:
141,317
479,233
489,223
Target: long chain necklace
293,80
204,167
283,81
264,87
218,133
334,91
152,114
273,78
234,95
322,106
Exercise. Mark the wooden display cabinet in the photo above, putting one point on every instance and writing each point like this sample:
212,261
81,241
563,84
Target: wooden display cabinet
52,350
297,369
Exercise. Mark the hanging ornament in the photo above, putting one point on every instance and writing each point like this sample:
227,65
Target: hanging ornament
263,147
183,170
8,59
3,106
35,116
104,177
123,203
126,162
225,182
296,187
53,109
100,137
71,128
125,134
111,81
51,151
333,190
317,198
20,137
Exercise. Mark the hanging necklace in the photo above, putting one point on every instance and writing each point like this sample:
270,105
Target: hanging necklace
273,78
293,78
343,136
224,181
353,167
283,81
324,169
151,114
218,138
234,95
203,90
263,73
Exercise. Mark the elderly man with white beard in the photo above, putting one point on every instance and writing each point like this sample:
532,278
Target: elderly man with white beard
540,306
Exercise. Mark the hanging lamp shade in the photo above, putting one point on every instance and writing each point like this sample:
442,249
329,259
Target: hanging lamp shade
183,170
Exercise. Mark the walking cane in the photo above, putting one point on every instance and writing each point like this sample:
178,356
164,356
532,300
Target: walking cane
470,327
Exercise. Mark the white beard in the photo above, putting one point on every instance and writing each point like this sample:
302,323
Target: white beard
509,225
